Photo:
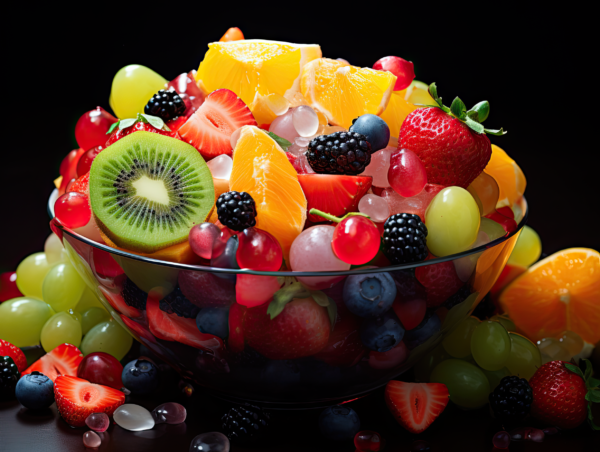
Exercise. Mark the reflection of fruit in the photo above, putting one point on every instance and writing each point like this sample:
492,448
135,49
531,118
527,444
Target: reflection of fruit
344,347
508,275
528,248
249,67
558,293
262,169
467,384
440,281
343,92
416,405
509,176
63,360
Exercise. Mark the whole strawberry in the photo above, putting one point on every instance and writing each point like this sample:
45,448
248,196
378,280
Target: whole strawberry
451,142
563,394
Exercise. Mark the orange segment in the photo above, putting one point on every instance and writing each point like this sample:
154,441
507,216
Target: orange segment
261,168
402,103
509,176
233,34
561,292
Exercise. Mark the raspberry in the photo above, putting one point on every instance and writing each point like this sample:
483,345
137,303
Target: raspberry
339,153
166,105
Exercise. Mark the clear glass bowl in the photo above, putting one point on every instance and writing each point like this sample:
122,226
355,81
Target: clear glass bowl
247,375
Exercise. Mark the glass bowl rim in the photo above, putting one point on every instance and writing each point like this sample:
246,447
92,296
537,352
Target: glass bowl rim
246,271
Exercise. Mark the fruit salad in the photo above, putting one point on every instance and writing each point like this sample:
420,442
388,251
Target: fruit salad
276,216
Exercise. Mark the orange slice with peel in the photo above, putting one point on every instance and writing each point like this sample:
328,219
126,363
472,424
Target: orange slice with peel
261,168
561,292
509,176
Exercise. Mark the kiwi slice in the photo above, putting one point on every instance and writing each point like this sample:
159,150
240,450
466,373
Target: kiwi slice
148,190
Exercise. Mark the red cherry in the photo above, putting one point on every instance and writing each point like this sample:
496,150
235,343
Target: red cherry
85,161
91,128
402,69
407,175
356,240
8,286
101,368
258,250
73,210
368,441
207,240
68,169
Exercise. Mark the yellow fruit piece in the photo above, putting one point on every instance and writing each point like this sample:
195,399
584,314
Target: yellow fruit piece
561,292
58,181
261,168
402,103
343,92
509,176
265,108
254,66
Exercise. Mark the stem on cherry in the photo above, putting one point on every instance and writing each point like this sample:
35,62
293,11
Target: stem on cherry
330,217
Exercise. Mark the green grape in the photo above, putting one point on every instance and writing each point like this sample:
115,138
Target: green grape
88,300
132,88
452,220
494,376
458,342
491,228
524,358
553,350
22,320
55,252
528,248
505,321
31,273
490,345
61,328
467,384
108,337
424,366
63,287
93,317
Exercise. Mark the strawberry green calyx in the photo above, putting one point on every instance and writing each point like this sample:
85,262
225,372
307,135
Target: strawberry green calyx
473,118
154,121
296,290
592,385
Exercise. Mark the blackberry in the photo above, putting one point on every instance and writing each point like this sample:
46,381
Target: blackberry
245,423
404,238
511,400
166,105
339,153
9,377
236,210
133,295
176,303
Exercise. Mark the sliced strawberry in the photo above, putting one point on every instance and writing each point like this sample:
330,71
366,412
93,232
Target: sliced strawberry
81,185
235,342
117,301
416,405
210,128
77,398
137,127
8,349
344,347
63,360
440,281
171,327
333,194
175,124
139,329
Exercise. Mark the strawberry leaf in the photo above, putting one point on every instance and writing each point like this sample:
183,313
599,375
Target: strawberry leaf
473,115
113,127
591,418
282,142
574,369
154,121
495,132
459,109
482,109
587,373
284,295
319,297
593,383
124,123
593,396
474,126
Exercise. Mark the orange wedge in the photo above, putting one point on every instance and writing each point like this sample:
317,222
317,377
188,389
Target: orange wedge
343,92
261,168
561,292
402,103
509,176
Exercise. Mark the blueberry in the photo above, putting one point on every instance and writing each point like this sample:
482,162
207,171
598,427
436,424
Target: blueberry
140,376
339,423
214,321
227,259
35,391
427,328
369,295
374,128
381,333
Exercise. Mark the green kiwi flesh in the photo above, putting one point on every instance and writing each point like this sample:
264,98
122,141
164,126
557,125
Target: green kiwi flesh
148,190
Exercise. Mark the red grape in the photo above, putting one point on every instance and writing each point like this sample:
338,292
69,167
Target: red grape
501,440
8,286
91,128
101,368
407,174
73,210
85,161
207,240
402,69
368,440
355,240
258,250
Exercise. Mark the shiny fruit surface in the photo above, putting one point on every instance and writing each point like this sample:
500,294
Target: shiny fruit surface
132,88
356,240
22,320
91,128
61,328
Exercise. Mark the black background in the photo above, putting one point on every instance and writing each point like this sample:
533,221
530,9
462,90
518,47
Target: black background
535,66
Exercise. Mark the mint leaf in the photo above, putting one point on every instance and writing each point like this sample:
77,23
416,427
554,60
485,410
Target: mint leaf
482,109
282,142
332,312
497,133
113,127
474,126
155,122
284,295
574,369
459,109
124,123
